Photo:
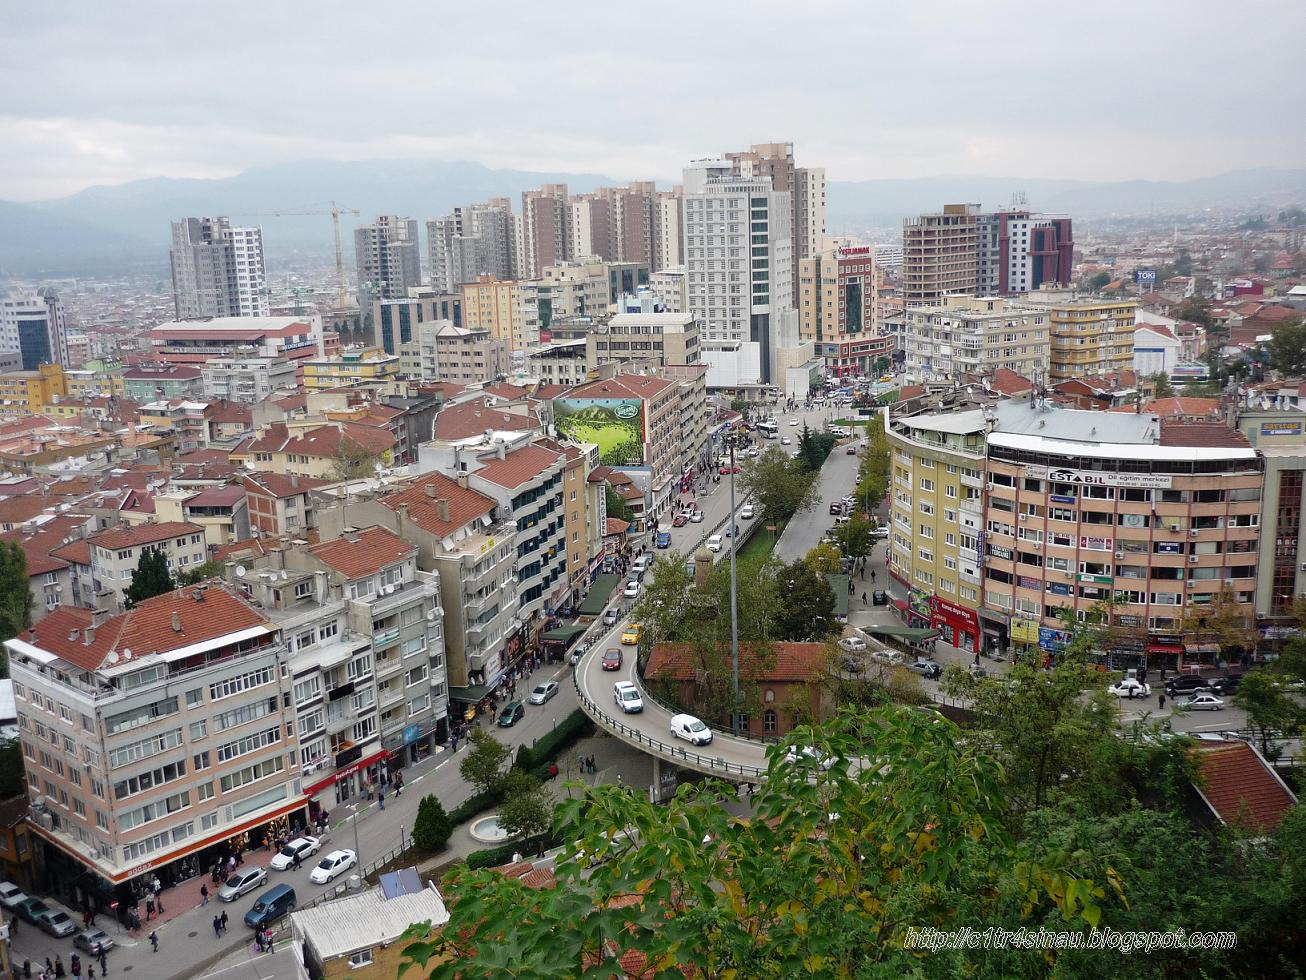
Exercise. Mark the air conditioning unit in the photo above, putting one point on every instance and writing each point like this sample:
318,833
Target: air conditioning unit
1303,566
1175,527
1228,581
1192,559
1119,555
1193,533
1023,518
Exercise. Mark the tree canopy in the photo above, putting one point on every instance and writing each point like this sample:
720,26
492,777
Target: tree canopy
151,578
1288,349
807,604
779,484
15,592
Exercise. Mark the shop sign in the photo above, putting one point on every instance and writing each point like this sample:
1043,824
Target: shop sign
1152,481
1059,498
997,551
1024,630
1051,639
1169,548
1097,544
950,610
1281,428
1095,579
412,733
1030,583
1059,588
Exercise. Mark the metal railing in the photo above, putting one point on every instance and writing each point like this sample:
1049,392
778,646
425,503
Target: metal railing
363,872
672,752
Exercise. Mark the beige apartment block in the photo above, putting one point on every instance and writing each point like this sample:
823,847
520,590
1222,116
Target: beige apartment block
975,335
1089,337
495,305
940,254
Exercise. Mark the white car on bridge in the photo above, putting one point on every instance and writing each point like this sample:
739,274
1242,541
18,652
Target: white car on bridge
690,729
627,697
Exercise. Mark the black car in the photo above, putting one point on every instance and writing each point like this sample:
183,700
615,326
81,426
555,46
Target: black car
1187,684
880,597
1226,685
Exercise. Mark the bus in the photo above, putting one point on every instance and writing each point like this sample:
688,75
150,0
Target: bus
768,430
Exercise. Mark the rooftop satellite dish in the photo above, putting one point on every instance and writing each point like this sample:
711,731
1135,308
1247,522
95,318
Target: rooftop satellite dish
111,657
127,654
240,571
285,575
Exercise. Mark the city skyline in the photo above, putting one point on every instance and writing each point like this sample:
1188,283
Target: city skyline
100,117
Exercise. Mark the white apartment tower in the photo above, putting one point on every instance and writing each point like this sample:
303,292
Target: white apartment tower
470,242
387,254
738,258
217,270
35,327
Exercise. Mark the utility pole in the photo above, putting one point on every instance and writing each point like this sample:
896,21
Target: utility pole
734,603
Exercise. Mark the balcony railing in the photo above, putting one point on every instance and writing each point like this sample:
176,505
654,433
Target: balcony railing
385,637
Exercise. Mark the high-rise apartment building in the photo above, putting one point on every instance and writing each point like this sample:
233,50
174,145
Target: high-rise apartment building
35,327
668,236
589,217
1089,336
585,288
805,186
974,335
495,305
940,254
217,270
739,262
546,231
472,242
388,259
837,311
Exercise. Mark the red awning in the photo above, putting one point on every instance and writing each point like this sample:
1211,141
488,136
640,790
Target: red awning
1164,648
900,604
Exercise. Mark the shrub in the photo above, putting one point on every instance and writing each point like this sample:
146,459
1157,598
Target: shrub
474,806
432,828
570,731
495,856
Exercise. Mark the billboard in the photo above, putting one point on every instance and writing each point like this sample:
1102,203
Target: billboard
615,425
1144,276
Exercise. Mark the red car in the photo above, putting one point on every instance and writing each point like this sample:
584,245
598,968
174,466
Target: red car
680,520
611,659
727,470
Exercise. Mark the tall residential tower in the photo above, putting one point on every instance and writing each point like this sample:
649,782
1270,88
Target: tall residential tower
217,270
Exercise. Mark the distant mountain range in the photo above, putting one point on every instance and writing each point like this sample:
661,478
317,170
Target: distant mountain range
103,230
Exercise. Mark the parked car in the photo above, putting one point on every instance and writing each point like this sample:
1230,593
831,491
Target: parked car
1130,687
746,512
696,517
271,905
57,923
890,658
1186,684
786,441
611,659
335,863
881,532
926,668
853,644
1226,685
850,663
513,712
31,909
793,422
714,543
880,598
93,941
631,590
680,520
301,847
640,564
837,507
610,618
241,882
11,894
543,692
690,729
630,636
1203,702
627,697
851,450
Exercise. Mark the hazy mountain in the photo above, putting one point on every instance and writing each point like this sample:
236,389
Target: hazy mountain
106,229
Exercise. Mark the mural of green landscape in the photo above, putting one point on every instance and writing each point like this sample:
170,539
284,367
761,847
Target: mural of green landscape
617,427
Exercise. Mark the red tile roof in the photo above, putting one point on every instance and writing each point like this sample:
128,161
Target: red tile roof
793,661
148,628
1241,788
465,504
1184,407
364,552
622,386
518,466
472,418
75,552
280,485
331,440
616,526
506,391
138,534
1213,435
1008,382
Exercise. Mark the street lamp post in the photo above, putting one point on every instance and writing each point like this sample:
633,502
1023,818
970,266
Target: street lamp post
734,605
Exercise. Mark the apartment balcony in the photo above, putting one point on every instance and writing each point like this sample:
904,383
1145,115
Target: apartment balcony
338,721
385,638
972,481
392,695
972,507
385,666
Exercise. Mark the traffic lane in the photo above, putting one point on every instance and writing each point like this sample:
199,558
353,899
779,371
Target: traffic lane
838,476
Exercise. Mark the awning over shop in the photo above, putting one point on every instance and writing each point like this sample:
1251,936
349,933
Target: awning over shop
900,604
1200,648
562,634
1164,648
600,593
839,583
473,694
912,634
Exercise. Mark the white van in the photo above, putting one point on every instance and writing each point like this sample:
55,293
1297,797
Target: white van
690,729
627,697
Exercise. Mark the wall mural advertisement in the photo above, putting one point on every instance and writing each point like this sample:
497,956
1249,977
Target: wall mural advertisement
616,425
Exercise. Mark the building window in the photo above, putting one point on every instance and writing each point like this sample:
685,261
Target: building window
362,958
769,721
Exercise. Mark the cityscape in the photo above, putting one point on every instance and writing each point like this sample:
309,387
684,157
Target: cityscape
792,554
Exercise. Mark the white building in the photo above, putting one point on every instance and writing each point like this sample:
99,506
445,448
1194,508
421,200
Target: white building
217,270
739,261
251,274
1156,350
670,287
33,325
247,378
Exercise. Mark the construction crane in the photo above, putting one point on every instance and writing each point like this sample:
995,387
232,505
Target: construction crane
342,294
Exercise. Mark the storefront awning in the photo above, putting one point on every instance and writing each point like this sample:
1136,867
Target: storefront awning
472,694
900,604
1164,648
1201,648
562,634
599,594
912,634
839,585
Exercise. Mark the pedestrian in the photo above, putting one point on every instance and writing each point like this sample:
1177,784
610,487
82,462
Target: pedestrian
851,588
27,970
223,920
581,762
231,865
217,926
104,961
258,941
49,967
90,971
863,598
59,971
268,940
154,941
158,903
204,895
13,927
296,860
399,783
380,796
149,908
1161,700
872,576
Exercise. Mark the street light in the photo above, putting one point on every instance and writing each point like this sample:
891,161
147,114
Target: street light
734,605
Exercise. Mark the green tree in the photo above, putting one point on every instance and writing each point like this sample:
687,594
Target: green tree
824,559
12,778
1195,310
854,537
815,447
1161,381
15,592
824,882
873,470
1095,283
1270,711
151,578
1224,620
486,763
355,461
807,605
210,569
527,809
617,507
431,828
779,484
1288,349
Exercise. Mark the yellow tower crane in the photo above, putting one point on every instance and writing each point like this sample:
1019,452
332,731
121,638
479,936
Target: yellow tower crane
342,293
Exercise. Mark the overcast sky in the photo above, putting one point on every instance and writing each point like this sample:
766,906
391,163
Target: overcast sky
106,92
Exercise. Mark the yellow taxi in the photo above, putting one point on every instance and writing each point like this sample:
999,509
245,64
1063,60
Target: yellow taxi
630,636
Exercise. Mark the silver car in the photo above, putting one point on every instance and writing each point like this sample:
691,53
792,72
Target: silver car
241,882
